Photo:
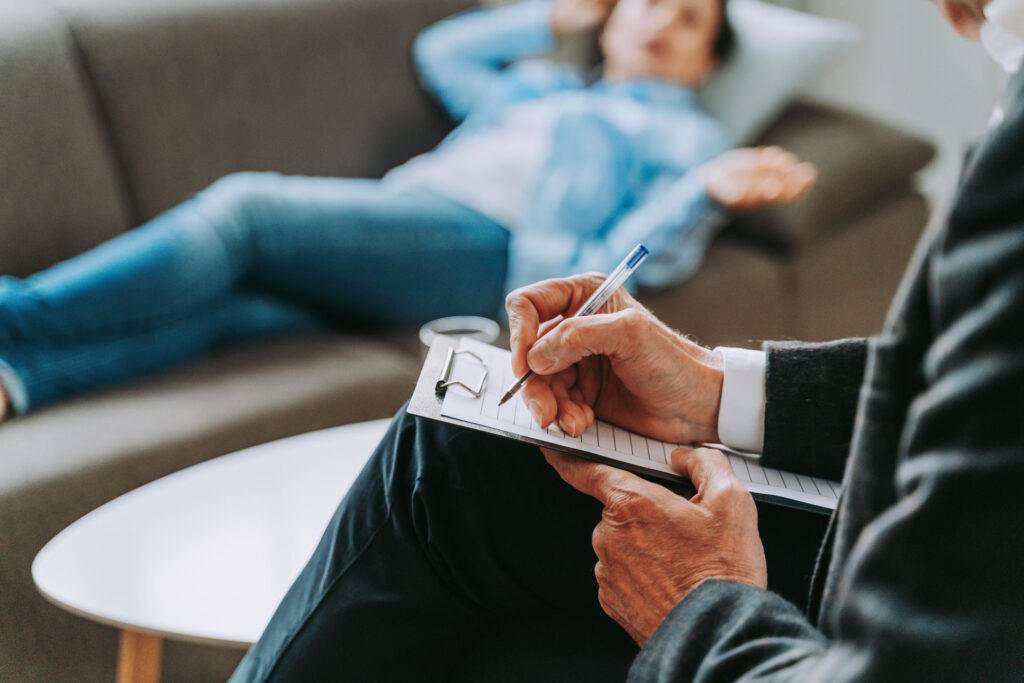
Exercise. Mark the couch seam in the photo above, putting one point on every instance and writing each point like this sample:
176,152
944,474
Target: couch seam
103,119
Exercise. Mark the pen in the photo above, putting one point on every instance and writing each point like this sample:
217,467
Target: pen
595,302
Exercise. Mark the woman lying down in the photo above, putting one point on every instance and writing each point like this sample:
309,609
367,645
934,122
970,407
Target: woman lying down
546,174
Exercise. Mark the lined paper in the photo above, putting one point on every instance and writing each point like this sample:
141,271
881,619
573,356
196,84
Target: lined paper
603,438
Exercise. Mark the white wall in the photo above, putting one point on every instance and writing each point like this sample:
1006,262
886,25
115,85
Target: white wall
911,69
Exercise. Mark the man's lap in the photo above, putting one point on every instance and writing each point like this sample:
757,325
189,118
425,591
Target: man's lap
448,537
444,532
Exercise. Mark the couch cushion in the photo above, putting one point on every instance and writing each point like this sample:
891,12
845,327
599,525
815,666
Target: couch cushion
860,162
196,89
235,399
843,286
738,297
59,192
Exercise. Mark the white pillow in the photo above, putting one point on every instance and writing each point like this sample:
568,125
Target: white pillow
778,53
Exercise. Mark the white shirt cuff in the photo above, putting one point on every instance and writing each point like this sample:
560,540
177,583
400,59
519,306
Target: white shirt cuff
741,412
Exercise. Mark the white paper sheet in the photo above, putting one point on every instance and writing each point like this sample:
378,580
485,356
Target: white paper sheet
603,438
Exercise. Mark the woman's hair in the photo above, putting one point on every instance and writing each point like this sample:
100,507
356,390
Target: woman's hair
725,41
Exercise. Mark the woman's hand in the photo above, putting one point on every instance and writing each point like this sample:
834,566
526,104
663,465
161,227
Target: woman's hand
621,364
755,178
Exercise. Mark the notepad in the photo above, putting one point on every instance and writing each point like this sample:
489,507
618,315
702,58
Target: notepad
605,441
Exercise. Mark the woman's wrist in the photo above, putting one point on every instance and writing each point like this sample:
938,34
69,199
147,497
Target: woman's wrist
573,17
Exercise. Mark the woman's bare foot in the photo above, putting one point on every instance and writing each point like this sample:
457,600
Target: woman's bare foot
3,404
755,178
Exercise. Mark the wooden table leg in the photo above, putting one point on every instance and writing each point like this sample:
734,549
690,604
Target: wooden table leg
138,658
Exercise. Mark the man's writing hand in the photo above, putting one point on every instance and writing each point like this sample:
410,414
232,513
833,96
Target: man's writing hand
621,364
654,547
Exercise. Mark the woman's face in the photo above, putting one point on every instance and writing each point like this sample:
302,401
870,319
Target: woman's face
670,40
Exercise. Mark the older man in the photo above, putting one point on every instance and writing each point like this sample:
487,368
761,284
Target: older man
921,574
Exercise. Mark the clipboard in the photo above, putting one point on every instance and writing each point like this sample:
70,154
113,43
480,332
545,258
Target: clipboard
428,398
447,365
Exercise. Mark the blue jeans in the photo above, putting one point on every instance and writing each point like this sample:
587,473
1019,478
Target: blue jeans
252,255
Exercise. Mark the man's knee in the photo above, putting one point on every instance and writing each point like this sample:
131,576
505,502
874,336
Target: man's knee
429,448
439,458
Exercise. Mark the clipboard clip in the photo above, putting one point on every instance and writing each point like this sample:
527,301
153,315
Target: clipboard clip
443,381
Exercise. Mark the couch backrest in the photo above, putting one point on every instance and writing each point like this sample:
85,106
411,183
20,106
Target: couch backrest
861,164
114,110
59,189
195,89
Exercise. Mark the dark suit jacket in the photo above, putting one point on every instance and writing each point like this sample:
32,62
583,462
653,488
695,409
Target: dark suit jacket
921,577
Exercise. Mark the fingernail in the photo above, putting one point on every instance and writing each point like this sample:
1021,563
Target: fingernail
534,407
541,356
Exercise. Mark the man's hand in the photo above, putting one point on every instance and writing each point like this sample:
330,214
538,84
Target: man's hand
654,547
755,178
569,17
621,364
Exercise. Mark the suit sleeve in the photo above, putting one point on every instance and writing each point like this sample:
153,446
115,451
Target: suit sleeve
461,60
933,586
811,393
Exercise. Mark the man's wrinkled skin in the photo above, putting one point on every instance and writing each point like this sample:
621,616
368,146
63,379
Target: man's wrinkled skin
653,546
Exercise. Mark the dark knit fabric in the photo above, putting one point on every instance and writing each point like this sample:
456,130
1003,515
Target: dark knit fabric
811,392
742,632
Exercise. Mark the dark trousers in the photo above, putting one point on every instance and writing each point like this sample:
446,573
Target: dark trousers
457,555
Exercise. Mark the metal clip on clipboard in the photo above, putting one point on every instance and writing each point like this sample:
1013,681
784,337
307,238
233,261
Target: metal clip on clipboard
443,382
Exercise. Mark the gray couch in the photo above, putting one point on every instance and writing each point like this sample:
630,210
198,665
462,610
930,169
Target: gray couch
114,110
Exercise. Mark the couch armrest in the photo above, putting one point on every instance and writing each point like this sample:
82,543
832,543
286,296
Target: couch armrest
860,161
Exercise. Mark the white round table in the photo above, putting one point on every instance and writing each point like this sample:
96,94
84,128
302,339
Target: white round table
204,554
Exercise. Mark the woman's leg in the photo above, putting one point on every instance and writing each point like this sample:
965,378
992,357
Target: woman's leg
347,249
63,371
444,532
368,255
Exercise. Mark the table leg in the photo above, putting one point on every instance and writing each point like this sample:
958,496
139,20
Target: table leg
138,658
